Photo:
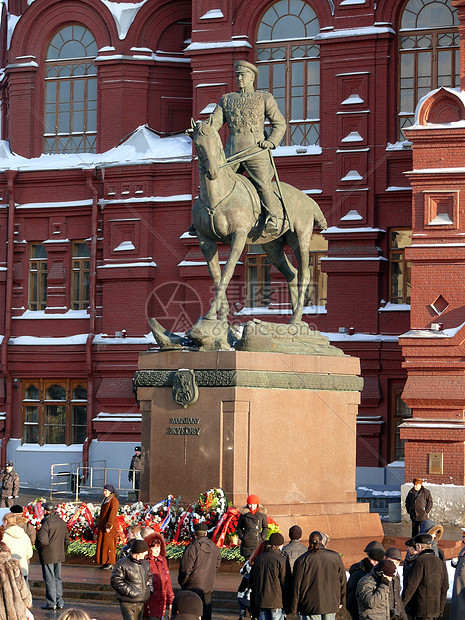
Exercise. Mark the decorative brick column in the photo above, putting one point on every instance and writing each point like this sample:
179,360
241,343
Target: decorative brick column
434,347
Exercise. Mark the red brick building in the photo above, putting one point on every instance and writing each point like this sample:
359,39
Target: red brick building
97,182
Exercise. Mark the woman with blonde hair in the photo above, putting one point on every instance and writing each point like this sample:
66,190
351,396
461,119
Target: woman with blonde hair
74,614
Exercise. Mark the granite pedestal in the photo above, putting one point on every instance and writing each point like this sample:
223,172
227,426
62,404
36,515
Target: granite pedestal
281,426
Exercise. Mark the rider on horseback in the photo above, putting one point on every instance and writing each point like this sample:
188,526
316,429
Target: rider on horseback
245,113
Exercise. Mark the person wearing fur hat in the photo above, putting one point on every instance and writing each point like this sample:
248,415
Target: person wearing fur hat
162,596
373,592
15,596
252,527
107,532
418,505
374,553
132,581
27,526
270,581
9,480
187,605
436,531
294,549
319,588
197,570
428,582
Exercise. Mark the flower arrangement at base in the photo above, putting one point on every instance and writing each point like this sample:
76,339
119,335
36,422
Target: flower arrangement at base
177,526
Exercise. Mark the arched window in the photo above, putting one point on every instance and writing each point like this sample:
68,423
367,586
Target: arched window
71,92
289,63
429,53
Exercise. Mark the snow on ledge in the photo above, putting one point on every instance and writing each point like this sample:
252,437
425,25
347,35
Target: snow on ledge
432,333
40,314
213,14
335,230
124,14
390,307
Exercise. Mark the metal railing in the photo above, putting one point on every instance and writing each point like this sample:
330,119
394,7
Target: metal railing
64,477
98,477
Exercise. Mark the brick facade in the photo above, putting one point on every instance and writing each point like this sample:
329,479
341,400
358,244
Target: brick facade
163,66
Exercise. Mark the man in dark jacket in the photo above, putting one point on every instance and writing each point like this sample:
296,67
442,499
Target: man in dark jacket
51,543
134,470
428,582
270,581
294,549
373,592
418,504
397,611
252,526
319,581
357,571
132,580
199,563
10,486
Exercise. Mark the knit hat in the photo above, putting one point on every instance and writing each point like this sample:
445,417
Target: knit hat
295,532
109,487
276,539
372,544
387,567
139,546
423,539
393,554
253,499
376,554
187,602
48,506
17,509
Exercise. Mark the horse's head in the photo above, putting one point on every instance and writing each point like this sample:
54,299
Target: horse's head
208,146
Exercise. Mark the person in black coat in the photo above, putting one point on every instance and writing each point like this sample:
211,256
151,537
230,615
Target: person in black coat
418,504
132,581
428,582
357,571
51,543
135,469
270,581
252,527
319,580
199,564
396,606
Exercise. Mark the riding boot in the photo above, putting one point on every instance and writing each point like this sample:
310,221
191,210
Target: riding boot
269,201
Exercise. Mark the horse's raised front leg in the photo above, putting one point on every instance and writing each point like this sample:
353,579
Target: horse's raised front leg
220,304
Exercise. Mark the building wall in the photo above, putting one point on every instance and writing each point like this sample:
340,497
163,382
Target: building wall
164,276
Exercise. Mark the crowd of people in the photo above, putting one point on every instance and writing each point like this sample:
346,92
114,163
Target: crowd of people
278,580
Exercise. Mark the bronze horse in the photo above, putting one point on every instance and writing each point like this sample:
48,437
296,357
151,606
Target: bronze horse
228,210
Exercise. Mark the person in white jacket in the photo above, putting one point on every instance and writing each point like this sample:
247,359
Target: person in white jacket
18,542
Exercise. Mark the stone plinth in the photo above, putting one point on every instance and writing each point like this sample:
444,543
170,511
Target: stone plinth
281,426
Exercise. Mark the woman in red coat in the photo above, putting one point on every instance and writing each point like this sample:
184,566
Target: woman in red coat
162,596
107,531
